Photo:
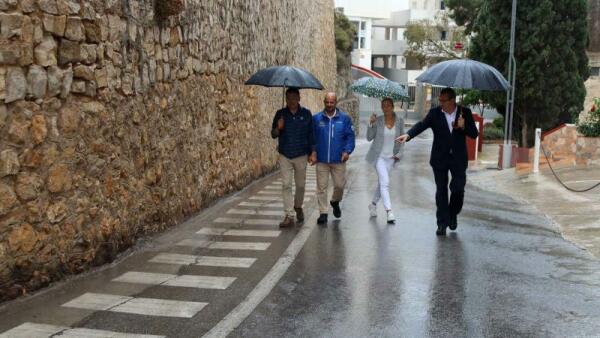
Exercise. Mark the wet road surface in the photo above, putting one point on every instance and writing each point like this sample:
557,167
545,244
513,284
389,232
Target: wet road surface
506,272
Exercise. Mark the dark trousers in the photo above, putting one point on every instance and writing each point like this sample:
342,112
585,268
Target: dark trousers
447,210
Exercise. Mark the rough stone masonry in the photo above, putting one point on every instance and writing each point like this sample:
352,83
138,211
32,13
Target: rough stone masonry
113,126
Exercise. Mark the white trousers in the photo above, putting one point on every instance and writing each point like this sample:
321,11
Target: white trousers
383,167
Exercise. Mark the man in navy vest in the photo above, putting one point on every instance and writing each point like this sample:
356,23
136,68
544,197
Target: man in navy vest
450,124
334,138
293,126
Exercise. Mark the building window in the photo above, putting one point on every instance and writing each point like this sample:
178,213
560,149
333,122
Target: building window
362,42
363,25
595,71
442,5
443,35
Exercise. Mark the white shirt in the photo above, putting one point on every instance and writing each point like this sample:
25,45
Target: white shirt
450,118
389,136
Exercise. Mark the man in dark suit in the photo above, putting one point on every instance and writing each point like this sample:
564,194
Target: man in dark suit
450,124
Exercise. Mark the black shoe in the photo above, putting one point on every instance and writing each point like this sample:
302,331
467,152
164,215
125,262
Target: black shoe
337,212
322,219
441,231
299,214
453,223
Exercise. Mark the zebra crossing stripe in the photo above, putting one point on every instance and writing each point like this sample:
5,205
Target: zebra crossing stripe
246,221
278,188
189,281
261,205
140,306
256,212
226,262
237,232
256,246
278,193
34,330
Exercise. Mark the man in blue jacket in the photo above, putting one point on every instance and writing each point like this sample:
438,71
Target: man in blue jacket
334,140
293,126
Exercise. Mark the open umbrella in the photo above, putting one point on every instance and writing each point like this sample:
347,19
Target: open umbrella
286,77
465,74
379,88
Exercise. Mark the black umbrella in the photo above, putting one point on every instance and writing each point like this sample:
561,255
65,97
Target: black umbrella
465,74
285,76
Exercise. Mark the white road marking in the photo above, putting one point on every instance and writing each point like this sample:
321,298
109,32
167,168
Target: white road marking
263,205
33,330
228,262
96,301
264,287
90,333
261,222
278,188
256,212
256,246
160,307
140,306
246,221
190,281
238,232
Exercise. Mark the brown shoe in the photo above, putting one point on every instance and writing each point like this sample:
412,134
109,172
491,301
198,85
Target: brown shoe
299,214
288,221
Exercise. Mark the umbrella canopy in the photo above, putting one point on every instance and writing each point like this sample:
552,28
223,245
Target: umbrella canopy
465,74
379,88
284,76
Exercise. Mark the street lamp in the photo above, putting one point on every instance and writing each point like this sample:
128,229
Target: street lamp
510,93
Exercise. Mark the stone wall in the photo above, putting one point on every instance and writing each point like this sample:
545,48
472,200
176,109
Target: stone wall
569,147
113,127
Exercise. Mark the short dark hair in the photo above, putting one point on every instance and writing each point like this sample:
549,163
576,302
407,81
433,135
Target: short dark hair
448,91
292,91
387,99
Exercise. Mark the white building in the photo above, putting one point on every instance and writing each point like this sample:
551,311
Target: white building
380,44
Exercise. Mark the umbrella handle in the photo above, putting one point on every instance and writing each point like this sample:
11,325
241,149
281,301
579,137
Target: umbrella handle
283,95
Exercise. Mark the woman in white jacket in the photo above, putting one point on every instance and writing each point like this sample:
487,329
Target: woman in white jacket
383,153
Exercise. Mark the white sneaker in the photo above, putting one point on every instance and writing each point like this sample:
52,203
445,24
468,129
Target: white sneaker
390,217
372,210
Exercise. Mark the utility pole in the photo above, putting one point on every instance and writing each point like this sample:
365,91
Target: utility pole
510,94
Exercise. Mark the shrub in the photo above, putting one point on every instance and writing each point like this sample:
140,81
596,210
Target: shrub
499,122
591,126
492,132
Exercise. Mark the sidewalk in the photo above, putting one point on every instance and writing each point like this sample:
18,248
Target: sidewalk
576,215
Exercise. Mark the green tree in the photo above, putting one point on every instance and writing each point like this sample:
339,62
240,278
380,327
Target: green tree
464,12
552,66
424,44
345,33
